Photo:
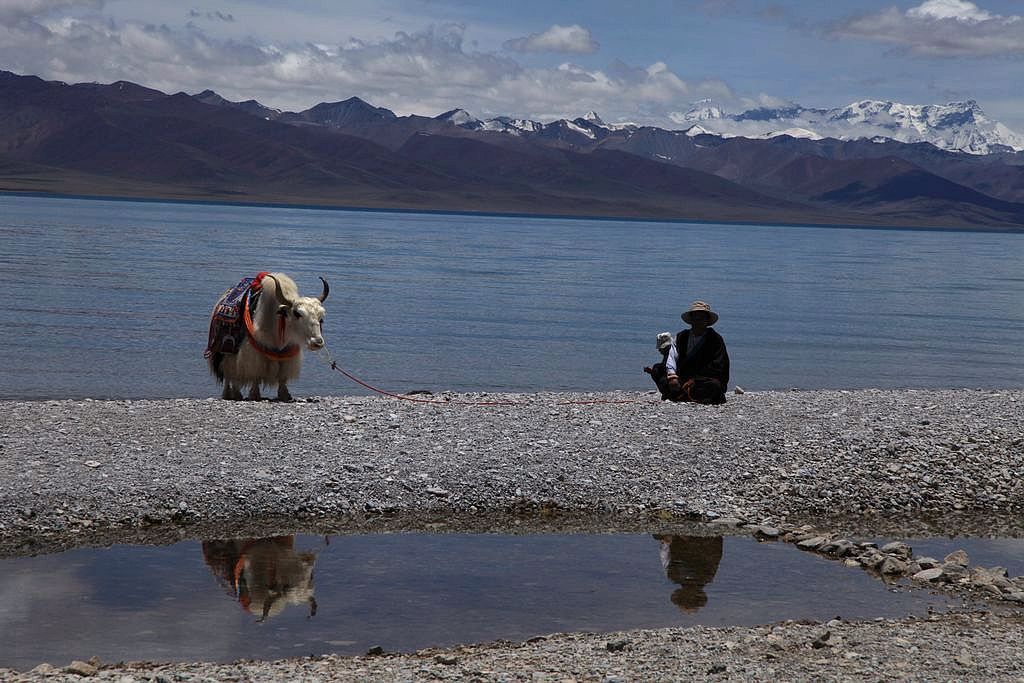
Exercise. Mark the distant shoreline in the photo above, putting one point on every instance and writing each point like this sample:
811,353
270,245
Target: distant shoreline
153,199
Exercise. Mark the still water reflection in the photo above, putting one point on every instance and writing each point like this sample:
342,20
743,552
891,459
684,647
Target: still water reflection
691,562
407,591
263,574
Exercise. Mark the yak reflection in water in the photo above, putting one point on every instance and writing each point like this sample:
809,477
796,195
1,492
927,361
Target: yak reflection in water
690,561
264,574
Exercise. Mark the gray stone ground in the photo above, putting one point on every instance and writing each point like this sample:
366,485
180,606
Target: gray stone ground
849,462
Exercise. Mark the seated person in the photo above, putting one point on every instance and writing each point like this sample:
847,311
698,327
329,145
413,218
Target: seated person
657,371
696,367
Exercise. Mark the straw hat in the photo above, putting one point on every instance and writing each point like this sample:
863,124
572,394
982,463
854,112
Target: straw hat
700,306
664,340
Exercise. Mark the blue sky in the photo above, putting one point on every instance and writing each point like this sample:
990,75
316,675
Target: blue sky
644,62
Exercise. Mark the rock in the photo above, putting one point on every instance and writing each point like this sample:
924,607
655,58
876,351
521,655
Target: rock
437,491
957,557
897,548
349,419
1014,597
616,645
812,543
81,668
739,390
986,577
727,521
822,640
927,562
952,571
92,463
892,565
963,659
933,574
375,651
447,660
872,559
44,669
838,548
763,531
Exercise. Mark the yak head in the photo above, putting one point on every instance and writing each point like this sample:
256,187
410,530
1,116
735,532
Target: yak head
301,319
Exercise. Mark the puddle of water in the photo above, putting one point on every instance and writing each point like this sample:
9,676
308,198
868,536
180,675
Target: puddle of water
302,595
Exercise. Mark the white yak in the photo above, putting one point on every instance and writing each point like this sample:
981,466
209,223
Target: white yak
278,324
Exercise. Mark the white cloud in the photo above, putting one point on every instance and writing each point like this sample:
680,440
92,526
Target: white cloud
424,72
949,9
573,39
939,28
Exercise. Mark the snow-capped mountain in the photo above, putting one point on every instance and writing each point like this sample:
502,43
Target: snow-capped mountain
507,124
461,118
701,111
957,126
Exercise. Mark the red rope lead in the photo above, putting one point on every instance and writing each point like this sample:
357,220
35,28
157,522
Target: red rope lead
335,366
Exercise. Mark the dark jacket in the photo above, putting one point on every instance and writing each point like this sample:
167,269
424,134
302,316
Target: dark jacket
709,359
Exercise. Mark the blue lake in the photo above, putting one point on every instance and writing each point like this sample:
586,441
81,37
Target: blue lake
111,299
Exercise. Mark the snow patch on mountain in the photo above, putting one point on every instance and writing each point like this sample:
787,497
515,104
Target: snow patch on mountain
512,126
582,130
793,133
695,130
461,118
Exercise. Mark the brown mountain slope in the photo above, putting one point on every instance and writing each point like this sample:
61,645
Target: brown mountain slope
125,139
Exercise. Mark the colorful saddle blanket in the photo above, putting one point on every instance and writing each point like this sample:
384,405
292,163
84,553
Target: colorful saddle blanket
227,325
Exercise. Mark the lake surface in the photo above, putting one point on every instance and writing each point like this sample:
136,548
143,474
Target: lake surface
213,601
111,299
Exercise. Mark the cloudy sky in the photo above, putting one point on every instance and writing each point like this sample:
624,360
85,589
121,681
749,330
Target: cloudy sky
644,61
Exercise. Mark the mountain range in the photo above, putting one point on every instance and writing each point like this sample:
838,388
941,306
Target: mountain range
872,163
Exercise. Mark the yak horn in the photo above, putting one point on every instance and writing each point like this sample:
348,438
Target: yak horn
280,292
327,290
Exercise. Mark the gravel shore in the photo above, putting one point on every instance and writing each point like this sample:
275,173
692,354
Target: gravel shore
897,463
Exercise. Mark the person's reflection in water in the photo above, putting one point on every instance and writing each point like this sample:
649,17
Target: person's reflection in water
263,574
690,561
